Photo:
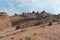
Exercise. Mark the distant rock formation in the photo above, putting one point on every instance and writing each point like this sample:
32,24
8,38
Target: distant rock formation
5,21
3,14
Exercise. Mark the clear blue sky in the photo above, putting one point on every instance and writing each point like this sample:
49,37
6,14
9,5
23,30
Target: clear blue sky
19,6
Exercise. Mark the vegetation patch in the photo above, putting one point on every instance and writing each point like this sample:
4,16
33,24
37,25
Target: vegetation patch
12,38
1,37
34,34
17,27
50,23
23,30
28,38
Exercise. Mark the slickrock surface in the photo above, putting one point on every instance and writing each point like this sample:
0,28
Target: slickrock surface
35,33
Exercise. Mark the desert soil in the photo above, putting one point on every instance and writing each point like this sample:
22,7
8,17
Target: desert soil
34,33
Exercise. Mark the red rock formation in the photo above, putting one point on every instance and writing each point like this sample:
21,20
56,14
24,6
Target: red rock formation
5,21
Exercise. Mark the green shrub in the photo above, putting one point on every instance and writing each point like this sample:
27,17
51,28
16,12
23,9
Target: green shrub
28,38
17,27
49,24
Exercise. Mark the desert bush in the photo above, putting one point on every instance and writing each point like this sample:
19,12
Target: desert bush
28,38
34,34
50,23
33,11
43,11
54,20
12,38
16,14
42,26
20,39
23,13
17,27
23,30
1,37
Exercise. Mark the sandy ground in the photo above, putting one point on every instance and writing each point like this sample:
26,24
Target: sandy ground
33,33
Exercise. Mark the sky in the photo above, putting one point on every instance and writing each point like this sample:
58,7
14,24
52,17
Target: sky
19,6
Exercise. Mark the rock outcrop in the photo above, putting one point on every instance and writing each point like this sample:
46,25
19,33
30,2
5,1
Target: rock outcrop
5,21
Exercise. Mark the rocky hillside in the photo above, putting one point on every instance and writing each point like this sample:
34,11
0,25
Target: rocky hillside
5,21
27,19
35,17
